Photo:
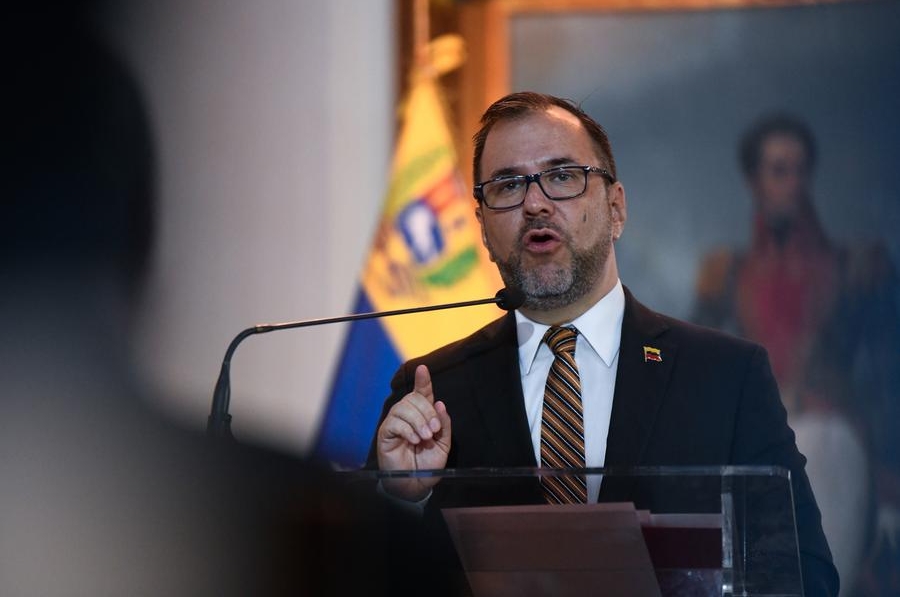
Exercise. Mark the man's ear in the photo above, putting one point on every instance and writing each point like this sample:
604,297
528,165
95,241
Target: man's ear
618,208
479,215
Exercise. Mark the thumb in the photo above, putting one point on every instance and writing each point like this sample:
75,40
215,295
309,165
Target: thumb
422,384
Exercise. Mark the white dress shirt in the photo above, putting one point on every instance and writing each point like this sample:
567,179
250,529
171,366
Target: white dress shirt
597,356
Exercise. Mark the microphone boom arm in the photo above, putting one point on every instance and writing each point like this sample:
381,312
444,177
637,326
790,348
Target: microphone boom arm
219,422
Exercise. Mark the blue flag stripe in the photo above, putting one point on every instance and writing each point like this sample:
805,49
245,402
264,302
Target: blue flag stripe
362,379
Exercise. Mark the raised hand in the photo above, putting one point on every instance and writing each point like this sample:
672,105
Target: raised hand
415,435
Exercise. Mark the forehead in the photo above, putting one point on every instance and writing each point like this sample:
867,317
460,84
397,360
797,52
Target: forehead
536,140
779,146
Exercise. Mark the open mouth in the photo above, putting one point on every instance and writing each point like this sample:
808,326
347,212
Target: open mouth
541,240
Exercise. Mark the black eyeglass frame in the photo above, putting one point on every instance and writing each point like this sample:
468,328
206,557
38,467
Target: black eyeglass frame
478,189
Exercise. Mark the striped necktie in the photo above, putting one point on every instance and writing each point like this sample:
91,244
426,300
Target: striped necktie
562,423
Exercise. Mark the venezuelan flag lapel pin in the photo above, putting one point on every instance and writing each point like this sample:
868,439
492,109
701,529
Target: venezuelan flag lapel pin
652,354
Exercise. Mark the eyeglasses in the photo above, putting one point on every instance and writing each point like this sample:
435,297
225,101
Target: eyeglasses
508,192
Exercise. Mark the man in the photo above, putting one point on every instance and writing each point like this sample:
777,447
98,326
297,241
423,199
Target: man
785,288
827,315
102,495
656,391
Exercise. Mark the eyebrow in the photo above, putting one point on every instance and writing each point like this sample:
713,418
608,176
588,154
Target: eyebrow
545,165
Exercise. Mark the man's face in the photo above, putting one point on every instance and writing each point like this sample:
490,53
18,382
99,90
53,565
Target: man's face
782,178
559,253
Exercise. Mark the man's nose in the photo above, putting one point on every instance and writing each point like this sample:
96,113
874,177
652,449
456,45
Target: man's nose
536,202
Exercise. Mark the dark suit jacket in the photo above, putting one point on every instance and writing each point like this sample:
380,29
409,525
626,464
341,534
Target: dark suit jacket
712,400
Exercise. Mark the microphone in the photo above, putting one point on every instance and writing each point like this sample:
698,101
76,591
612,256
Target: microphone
219,422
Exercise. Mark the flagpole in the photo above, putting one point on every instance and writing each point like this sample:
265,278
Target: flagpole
421,33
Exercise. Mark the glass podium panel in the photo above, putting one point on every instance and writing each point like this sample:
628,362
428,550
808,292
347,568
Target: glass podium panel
667,531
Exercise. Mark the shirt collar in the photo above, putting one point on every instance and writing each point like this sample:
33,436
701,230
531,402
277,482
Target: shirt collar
601,327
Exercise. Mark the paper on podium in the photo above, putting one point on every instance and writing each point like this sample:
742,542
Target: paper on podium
558,550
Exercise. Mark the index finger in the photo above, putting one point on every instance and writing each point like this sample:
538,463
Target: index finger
422,383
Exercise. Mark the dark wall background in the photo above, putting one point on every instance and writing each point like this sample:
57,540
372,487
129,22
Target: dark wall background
675,91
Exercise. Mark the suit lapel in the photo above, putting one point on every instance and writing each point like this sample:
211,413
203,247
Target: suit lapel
496,387
641,381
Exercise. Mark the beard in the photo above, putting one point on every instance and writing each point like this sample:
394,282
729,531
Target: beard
556,285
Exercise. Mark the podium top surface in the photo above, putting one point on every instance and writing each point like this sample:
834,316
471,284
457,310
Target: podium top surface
743,471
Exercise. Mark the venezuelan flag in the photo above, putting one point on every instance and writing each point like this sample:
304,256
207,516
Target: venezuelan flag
426,251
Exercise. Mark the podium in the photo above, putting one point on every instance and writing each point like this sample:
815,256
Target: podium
660,531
